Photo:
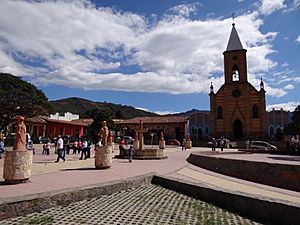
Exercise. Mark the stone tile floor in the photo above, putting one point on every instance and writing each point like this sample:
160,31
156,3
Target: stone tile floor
144,205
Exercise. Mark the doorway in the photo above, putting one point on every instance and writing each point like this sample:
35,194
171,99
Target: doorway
237,130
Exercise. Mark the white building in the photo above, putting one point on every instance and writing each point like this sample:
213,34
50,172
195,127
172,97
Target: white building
67,117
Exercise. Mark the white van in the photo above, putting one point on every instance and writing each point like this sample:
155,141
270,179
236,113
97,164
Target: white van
262,145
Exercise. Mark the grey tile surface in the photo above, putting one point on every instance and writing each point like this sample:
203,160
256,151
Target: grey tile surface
144,205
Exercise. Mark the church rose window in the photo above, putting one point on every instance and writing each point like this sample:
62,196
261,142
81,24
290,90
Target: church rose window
236,93
219,112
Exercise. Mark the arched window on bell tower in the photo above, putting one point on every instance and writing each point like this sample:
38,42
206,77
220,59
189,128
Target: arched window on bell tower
254,111
235,73
219,112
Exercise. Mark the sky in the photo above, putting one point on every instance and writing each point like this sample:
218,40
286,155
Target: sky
156,55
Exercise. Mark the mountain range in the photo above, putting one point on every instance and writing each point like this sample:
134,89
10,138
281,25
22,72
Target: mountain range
83,107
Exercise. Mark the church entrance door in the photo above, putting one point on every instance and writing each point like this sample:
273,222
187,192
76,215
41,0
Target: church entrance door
237,129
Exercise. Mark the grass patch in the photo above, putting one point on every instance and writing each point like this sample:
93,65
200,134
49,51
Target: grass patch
42,220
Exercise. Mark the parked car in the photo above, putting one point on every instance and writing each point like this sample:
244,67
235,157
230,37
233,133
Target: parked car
117,139
262,145
127,139
9,140
39,140
173,142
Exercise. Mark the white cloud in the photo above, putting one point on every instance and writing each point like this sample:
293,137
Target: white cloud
289,87
185,9
298,39
86,47
295,5
288,106
290,79
157,112
165,112
267,7
275,92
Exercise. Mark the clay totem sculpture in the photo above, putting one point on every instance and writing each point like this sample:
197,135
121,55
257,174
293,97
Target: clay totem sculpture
20,136
104,133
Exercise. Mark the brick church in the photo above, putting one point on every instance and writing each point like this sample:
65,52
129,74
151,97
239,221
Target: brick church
237,109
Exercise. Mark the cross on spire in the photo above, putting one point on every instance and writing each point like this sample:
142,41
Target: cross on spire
233,16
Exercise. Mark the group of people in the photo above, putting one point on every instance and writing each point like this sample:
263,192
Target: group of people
293,144
28,143
82,146
218,143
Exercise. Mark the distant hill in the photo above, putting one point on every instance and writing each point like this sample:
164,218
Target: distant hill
83,106
188,113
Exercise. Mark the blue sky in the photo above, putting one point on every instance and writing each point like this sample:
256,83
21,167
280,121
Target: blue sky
158,55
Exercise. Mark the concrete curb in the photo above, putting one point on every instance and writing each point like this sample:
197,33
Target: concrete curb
273,174
20,206
266,210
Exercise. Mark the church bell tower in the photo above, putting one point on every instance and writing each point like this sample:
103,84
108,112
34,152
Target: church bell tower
238,110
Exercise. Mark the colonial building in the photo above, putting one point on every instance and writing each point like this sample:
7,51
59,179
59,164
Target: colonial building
237,109
44,126
276,120
199,125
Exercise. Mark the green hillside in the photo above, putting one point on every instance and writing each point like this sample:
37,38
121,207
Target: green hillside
84,108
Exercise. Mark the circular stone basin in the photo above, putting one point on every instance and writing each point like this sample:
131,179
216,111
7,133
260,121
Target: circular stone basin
148,153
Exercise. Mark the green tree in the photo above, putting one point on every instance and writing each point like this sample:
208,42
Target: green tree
98,116
18,97
119,114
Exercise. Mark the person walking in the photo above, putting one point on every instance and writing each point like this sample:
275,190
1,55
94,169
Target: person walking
222,144
75,147
130,154
247,144
1,144
60,149
47,147
84,149
183,145
213,144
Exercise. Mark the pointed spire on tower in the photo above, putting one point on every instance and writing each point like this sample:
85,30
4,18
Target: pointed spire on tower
211,87
234,42
262,85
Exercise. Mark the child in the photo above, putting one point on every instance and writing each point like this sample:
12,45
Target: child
130,153
183,145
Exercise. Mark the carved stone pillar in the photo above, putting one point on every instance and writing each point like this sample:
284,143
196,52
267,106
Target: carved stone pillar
162,144
189,144
17,166
103,157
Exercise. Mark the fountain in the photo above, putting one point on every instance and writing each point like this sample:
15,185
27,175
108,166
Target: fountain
140,150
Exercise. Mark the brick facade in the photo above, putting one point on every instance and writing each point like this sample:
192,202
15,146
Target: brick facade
237,109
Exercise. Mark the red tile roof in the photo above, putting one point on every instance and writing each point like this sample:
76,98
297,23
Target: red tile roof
72,122
44,120
36,119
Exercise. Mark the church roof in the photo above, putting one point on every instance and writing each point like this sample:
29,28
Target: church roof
234,42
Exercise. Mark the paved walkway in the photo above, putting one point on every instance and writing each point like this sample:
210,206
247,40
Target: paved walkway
49,176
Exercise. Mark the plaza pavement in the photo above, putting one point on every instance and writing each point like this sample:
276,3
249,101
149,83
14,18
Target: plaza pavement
48,176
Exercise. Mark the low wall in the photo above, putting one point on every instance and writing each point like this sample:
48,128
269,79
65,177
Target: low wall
24,205
277,175
265,210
